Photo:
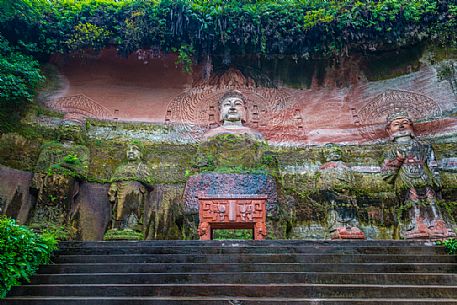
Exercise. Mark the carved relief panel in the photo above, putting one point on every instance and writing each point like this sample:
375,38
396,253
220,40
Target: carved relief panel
79,107
274,112
371,118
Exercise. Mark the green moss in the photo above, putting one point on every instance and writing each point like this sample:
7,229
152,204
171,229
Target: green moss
137,127
18,152
61,232
168,163
440,53
126,234
302,200
241,234
229,153
67,160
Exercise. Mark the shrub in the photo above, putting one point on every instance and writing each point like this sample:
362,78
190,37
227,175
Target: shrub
21,252
19,75
449,244
222,234
197,28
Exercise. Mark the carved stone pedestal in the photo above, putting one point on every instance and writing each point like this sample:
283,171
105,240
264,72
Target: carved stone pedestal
232,212
437,230
347,233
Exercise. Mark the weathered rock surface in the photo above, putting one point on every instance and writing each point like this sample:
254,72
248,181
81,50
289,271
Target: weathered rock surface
343,104
15,198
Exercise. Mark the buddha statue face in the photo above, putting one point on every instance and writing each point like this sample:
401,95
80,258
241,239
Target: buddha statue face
400,126
70,132
332,152
133,153
232,108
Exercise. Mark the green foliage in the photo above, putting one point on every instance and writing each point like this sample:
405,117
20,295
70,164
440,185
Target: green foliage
60,233
126,234
449,244
19,75
185,57
88,36
70,167
71,159
196,28
58,169
234,154
21,252
232,234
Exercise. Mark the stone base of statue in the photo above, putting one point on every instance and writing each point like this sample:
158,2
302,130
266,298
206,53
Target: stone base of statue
343,219
424,221
440,230
437,230
347,233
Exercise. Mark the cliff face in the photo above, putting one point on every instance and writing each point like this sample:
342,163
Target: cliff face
290,103
297,107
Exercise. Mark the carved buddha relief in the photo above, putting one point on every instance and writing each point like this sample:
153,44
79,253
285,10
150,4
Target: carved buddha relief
129,191
233,116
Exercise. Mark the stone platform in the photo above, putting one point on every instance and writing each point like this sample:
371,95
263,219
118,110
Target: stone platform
243,272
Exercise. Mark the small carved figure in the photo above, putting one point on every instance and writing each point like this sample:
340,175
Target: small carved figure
204,231
60,168
220,211
260,231
232,116
129,191
335,182
246,211
411,167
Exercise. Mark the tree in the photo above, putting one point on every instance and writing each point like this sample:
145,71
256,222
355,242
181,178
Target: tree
19,75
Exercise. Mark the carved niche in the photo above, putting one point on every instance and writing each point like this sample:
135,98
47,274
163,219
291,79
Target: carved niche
79,107
273,112
232,212
371,118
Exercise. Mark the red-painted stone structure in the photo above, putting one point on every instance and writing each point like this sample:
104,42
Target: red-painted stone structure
232,212
348,233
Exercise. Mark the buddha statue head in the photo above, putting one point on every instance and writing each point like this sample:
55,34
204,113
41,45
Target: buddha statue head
332,152
232,108
70,132
133,152
400,126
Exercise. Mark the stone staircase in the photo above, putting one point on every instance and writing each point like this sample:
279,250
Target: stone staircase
243,273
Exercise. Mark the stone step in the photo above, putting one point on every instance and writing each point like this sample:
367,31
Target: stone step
258,267
249,278
219,301
243,273
255,258
241,290
249,250
238,243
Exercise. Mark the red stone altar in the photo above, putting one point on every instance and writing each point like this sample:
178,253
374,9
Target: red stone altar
232,212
